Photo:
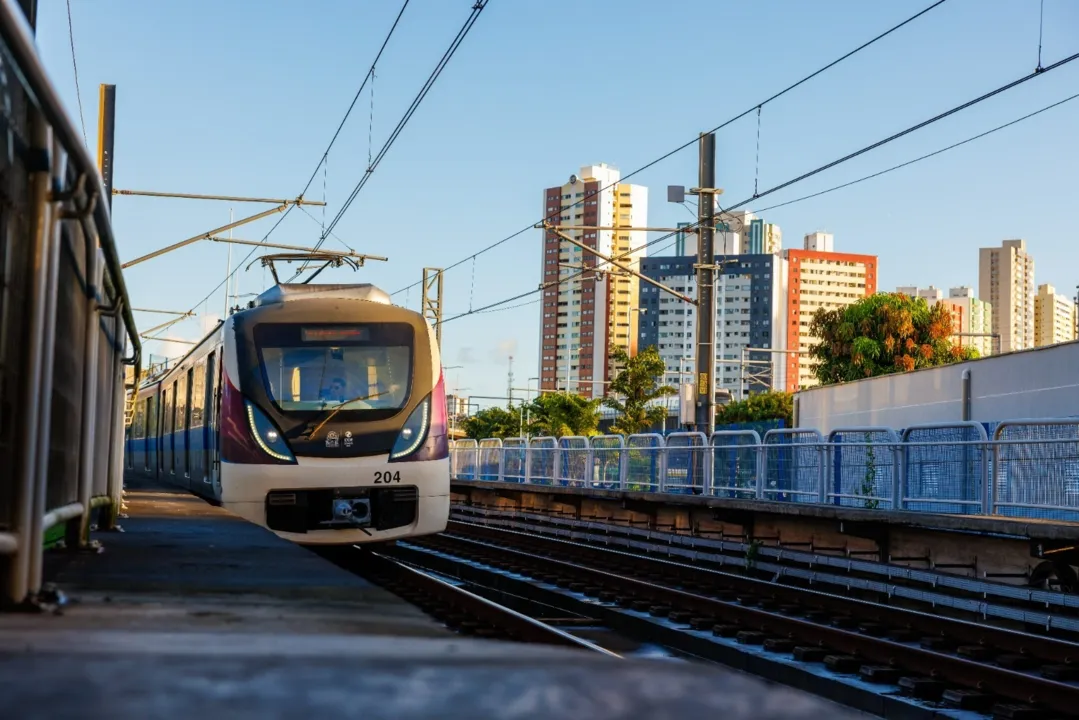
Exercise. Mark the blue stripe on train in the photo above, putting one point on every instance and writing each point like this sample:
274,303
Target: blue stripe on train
173,451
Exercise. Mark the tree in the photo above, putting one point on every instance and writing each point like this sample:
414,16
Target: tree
882,334
492,422
637,383
560,414
772,405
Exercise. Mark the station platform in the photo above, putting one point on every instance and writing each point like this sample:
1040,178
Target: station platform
193,612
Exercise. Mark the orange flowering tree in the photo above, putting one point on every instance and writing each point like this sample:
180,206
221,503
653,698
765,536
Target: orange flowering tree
881,334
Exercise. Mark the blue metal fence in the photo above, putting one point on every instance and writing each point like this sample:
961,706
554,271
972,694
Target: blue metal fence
1019,468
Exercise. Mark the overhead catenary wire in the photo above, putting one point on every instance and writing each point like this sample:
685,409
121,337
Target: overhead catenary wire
917,159
477,8
75,67
754,108
322,159
818,170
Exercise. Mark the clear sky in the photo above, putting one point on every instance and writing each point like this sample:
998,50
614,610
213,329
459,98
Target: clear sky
241,98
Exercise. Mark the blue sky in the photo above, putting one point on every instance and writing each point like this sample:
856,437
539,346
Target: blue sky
221,97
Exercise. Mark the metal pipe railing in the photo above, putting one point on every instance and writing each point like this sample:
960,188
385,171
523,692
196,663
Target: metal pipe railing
66,203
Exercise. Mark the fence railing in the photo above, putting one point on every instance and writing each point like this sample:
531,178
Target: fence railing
65,324
1029,468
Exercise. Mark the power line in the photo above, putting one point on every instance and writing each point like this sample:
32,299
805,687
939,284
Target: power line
820,169
477,8
754,108
920,158
75,66
356,97
322,160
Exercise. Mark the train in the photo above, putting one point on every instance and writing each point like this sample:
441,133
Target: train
318,412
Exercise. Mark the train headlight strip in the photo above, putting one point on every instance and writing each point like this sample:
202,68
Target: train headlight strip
414,433
266,435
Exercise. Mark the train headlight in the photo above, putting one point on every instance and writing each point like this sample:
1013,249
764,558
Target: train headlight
423,436
266,435
414,432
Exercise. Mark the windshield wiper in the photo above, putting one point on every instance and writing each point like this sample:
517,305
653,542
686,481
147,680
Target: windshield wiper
308,432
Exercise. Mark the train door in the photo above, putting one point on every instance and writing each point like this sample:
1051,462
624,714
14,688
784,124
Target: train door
167,402
211,425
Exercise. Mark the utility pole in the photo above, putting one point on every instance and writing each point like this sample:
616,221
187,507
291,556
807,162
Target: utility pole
509,382
106,128
706,296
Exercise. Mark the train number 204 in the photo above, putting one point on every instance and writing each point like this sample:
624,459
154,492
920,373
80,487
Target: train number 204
387,477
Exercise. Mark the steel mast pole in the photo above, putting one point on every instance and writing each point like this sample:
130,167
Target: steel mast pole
706,297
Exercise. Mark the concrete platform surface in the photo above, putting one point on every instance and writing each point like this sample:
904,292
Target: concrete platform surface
181,564
215,675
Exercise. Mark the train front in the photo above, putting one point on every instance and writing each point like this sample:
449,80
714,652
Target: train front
333,418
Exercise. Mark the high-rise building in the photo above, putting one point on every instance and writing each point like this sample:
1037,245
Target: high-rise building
819,279
1054,317
1006,281
975,319
764,238
750,306
584,317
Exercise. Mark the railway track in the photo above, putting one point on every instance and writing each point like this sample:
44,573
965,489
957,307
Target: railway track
1035,610
786,633
462,611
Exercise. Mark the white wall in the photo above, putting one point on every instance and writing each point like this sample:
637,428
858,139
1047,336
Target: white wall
1038,383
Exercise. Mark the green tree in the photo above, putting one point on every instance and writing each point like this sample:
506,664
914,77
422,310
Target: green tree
559,414
637,383
492,422
882,334
772,405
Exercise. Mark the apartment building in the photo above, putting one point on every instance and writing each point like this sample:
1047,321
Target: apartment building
818,277
1006,281
584,317
1054,317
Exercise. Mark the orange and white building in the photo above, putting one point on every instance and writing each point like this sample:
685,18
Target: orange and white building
818,277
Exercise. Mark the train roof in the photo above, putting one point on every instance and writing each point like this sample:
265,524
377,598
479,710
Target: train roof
290,292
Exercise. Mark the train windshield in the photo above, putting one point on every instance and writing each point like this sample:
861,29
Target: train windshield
315,367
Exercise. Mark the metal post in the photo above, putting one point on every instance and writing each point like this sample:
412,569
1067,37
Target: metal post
40,236
89,401
228,269
44,437
706,299
431,304
106,132
720,346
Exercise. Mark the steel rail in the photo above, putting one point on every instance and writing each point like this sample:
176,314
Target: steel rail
512,622
1016,685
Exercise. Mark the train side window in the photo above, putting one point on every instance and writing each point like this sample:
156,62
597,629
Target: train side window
179,401
198,395
211,380
187,397
138,429
168,396
151,416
